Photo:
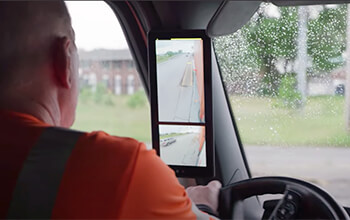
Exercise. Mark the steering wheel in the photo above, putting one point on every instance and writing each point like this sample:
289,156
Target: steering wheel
301,200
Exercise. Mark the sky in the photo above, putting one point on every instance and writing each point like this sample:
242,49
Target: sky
95,26
163,46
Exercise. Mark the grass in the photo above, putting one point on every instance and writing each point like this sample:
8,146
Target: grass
118,119
171,135
162,58
165,57
262,121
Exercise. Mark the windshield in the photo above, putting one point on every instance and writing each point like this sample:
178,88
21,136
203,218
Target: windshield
285,75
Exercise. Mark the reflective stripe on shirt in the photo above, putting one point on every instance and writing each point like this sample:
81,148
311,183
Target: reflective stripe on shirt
38,182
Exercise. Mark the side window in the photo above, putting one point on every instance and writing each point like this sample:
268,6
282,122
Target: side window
111,98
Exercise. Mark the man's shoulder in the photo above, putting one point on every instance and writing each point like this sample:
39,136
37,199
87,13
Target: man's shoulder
101,137
102,141
94,136
98,140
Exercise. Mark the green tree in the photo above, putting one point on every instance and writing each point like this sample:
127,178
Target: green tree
138,99
264,40
257,47
327,39
269,40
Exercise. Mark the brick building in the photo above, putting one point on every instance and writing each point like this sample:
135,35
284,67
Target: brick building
114,68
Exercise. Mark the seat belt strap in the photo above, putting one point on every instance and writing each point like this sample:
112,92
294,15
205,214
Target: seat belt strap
38,182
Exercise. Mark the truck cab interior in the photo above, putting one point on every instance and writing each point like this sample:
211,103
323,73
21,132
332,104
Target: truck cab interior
258,51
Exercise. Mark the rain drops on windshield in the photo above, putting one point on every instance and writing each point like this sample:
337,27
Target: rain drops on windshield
285,75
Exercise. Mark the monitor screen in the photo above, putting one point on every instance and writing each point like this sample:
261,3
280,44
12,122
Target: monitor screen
180,80
183,145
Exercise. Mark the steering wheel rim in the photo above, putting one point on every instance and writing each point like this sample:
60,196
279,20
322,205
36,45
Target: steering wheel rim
311,196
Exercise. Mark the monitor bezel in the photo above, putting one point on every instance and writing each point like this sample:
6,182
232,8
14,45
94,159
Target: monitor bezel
183,171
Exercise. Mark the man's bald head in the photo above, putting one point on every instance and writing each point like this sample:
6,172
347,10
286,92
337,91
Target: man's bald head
28,33
38,61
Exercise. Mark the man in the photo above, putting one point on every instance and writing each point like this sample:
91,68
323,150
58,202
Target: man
60,173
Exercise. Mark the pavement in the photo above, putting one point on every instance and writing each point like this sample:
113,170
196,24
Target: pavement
182,152
327,167
178,97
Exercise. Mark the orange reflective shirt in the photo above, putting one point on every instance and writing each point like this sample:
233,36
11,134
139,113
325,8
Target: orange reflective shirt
104,177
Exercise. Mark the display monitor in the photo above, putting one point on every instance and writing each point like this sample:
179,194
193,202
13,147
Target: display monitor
180,76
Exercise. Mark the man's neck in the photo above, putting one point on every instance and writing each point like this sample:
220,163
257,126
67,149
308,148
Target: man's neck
45,110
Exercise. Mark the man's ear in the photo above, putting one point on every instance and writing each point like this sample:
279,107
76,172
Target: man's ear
61,62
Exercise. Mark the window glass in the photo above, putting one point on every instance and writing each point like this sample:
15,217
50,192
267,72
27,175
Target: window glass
111,98
285,74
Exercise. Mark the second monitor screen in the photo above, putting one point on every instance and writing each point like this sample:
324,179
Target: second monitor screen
183,145
180,80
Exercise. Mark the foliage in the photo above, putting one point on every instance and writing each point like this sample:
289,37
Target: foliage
237,64
101,95
327,38
119,119
270,39
167,56
251,55
85,94
256,48
288,93
138,99
259,121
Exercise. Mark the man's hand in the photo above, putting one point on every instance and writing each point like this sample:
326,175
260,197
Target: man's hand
206,195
